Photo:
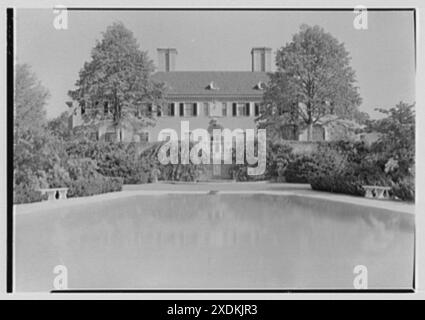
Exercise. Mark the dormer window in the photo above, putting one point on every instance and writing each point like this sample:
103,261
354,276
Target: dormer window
212,86
261,85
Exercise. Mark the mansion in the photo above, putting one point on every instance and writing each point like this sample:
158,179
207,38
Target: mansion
231,98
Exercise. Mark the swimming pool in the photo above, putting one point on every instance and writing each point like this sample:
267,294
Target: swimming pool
216,241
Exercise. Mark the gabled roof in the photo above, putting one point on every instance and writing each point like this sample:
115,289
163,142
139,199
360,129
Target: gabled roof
224,83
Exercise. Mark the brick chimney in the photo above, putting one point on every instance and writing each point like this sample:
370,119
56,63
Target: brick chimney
166,59
261,59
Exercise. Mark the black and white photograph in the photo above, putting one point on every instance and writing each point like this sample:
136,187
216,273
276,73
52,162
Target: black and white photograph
212,149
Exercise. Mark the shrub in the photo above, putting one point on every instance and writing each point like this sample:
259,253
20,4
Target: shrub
85,180
43,160
404,189
113,159
338,183
82,168
277,158
58,177
26,184
93,185
23,193
240,173
149,164
345,167
180,172
353,151
300,169
371,172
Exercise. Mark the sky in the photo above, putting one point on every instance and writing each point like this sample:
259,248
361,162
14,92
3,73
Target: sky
382,56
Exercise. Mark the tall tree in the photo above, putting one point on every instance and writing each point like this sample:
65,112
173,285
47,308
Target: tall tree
30,100
397,140
59,126
314,79
116,83
31,152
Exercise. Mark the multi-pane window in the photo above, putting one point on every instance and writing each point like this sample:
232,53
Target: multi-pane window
144,110
169,110
144,136
242,109
166,110
224,109
206,109
216,109
188,109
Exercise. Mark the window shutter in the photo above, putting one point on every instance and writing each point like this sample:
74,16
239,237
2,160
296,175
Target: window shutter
158,111
234,111
256,110
172,110
247,109
195,110
149,109
181,109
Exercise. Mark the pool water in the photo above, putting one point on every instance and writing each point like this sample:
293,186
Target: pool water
215,241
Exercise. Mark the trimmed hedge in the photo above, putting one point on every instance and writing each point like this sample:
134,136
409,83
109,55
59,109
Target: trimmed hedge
300,169
94,185
338,183
113,159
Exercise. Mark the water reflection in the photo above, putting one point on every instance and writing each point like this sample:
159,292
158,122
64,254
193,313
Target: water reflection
210,241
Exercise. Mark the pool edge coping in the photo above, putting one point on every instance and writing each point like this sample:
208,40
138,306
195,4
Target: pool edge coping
347,199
